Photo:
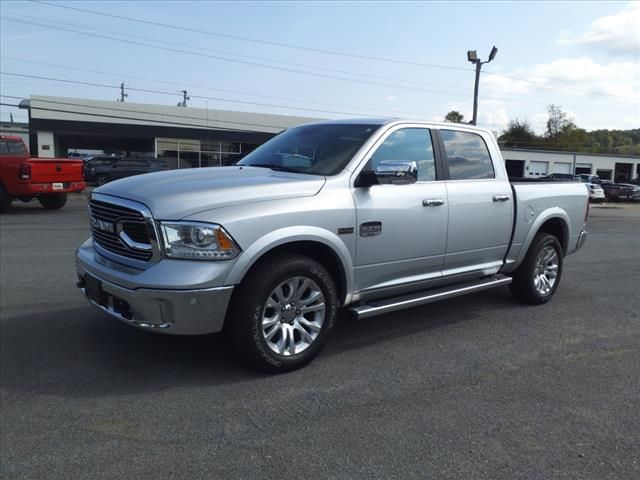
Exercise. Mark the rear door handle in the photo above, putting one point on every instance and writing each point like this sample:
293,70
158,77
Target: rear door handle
432,202
500,198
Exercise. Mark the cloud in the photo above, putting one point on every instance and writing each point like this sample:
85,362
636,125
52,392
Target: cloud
617,34
571,77
390,98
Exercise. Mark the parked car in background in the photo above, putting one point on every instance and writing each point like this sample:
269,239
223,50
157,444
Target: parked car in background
569,177
596,193
636,192
617,192
590,178
103,170
25,178
82,156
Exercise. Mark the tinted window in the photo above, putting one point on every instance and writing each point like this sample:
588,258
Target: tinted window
413,144
323,149
4,149
16,148
467,156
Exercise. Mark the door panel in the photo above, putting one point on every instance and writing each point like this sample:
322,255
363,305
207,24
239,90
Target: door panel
411,245
480,206
405,226
479,227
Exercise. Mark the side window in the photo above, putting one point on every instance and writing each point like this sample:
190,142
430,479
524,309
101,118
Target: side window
4,149
408,144
467,155
17,148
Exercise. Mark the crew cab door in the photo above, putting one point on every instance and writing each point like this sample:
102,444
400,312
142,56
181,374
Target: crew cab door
401,229
480,205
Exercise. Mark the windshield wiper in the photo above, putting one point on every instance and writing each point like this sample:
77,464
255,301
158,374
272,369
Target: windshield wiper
273,166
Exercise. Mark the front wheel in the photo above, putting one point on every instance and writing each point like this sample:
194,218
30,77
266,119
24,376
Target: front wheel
537,278
282,314
53,201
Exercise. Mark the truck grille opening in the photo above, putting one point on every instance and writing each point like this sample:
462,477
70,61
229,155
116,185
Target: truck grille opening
107,218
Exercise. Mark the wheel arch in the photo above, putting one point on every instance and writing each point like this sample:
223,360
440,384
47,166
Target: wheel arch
314,243
554,221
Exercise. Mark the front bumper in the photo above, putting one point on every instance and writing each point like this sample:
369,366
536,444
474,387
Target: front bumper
178,312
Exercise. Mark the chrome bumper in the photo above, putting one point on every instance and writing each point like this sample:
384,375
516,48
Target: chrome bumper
178,312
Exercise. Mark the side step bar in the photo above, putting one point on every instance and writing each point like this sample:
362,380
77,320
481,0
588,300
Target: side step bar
378,307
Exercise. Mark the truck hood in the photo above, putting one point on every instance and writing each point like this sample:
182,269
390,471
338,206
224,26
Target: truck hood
175,194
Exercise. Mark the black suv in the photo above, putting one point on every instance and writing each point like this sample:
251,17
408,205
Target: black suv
105,169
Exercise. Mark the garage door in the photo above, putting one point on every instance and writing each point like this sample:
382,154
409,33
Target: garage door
561,167
538,169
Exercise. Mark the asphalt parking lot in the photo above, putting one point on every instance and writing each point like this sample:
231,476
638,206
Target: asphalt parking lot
477,387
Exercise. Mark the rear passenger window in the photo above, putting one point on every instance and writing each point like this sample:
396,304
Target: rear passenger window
467,155
17,148
4,149
413,144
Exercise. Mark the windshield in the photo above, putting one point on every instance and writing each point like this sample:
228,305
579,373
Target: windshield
315,149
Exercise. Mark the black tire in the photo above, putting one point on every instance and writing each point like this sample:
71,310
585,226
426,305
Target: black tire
249,305
5,199
523,286
101,179
53,201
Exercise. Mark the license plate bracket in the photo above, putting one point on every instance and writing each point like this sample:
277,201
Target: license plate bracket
93,290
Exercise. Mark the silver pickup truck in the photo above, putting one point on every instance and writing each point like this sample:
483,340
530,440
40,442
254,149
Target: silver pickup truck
367,216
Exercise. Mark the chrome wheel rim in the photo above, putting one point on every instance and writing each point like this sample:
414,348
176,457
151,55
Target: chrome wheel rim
546,270
293,316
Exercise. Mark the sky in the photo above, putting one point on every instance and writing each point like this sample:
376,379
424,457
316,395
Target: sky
333,59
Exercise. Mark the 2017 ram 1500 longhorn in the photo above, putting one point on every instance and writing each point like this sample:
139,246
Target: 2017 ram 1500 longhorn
367,215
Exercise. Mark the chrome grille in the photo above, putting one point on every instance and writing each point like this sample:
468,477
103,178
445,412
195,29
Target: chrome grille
121,218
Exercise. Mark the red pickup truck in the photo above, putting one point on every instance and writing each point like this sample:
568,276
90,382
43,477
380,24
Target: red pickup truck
47,179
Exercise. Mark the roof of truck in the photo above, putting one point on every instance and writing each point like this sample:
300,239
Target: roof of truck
379,121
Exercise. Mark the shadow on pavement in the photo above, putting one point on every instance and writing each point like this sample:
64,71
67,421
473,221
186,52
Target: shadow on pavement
81,352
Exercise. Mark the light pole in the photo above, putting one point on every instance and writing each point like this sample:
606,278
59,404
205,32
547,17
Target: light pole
472,56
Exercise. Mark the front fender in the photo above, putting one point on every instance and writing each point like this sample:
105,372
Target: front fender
286,235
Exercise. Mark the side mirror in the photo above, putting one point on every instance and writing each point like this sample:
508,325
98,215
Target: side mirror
389,172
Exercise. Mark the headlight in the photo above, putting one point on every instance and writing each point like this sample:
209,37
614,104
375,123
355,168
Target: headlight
197,241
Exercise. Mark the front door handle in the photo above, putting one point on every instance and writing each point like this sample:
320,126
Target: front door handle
500,198
432,202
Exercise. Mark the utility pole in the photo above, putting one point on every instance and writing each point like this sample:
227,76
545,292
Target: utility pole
122,94
472,56
185,97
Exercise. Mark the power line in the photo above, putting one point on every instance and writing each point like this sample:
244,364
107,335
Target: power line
254,57
319,50
255,40
160,92
216,57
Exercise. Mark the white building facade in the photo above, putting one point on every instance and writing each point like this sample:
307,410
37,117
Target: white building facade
538,163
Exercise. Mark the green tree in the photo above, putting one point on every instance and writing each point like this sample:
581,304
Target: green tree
558,123
519,133
454,117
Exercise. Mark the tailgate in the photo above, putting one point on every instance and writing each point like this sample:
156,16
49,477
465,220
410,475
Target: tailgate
55,170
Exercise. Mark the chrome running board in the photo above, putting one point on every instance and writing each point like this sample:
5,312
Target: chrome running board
378,307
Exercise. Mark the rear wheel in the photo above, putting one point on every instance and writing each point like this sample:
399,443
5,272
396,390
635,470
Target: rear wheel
54,201
283,312
5,199
101,179
538,277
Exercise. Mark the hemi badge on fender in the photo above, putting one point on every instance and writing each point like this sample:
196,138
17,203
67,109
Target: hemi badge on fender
345,230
